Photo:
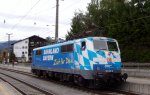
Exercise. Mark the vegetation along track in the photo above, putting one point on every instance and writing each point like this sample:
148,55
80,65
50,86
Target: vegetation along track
104,91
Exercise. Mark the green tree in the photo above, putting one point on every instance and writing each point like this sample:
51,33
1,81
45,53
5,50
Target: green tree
127,21
77,26
50,40
12,57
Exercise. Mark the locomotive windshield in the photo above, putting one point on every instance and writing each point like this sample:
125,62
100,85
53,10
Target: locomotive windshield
100,45
105,45
112,46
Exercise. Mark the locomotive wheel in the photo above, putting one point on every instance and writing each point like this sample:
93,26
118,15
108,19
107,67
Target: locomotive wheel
70,78
38,73
75,78
79,80
45,75
51,75
90,84
64,77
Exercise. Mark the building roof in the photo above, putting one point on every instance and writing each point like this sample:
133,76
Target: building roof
28,38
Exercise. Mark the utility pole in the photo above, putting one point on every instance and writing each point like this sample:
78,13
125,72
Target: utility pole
56,24
8,45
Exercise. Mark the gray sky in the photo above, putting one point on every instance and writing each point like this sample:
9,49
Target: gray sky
25,18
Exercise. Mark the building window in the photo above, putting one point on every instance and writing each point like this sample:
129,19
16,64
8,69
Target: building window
32,43
26,47
22,47
67,48
22,52
25,52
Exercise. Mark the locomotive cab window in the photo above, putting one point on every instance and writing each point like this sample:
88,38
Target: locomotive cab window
83,45
67,48
39,52
112,46
100,45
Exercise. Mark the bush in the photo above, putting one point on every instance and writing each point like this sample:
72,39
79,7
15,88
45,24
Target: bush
135,55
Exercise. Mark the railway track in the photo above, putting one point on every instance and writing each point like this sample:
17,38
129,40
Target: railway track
23,87
108,91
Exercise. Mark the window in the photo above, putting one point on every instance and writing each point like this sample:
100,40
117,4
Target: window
67,48
83,45
112,46
31,43
22,47
22,52
105,45
39,52
100,45
25,52
26,47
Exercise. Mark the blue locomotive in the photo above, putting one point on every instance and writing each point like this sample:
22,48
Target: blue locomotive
91,60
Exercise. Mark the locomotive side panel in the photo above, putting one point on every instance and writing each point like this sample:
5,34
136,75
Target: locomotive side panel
58,58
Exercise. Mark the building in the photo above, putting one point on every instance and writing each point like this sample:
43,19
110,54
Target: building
4,51
23,48
4,55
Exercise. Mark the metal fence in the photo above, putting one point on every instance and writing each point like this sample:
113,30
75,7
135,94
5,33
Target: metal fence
132,65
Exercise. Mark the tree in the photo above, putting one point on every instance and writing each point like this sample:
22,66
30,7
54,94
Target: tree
77,26
50,40
127,21
12,57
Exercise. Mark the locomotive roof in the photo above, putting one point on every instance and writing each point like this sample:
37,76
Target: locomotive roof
73,41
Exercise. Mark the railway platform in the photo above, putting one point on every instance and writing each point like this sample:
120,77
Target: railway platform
139,85
6,89
141,73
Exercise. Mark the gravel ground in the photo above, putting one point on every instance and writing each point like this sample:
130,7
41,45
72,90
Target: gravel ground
6,89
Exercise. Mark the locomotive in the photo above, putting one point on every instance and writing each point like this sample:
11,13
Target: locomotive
88,61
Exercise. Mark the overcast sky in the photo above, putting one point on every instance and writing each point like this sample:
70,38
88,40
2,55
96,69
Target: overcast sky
24,18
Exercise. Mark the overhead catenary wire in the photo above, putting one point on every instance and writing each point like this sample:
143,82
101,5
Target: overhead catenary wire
71,5
130,20
113,24
66,8
45,10
14,26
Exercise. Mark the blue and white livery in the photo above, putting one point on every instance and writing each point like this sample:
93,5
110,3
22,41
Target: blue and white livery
92,58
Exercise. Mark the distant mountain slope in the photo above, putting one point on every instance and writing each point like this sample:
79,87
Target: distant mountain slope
5,44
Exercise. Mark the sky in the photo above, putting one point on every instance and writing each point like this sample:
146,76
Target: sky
24,18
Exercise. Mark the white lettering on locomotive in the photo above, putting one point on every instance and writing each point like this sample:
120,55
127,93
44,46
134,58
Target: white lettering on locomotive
48,57
51,51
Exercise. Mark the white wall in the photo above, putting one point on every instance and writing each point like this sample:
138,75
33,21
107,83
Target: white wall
20,47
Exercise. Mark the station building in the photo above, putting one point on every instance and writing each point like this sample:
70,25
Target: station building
23,48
